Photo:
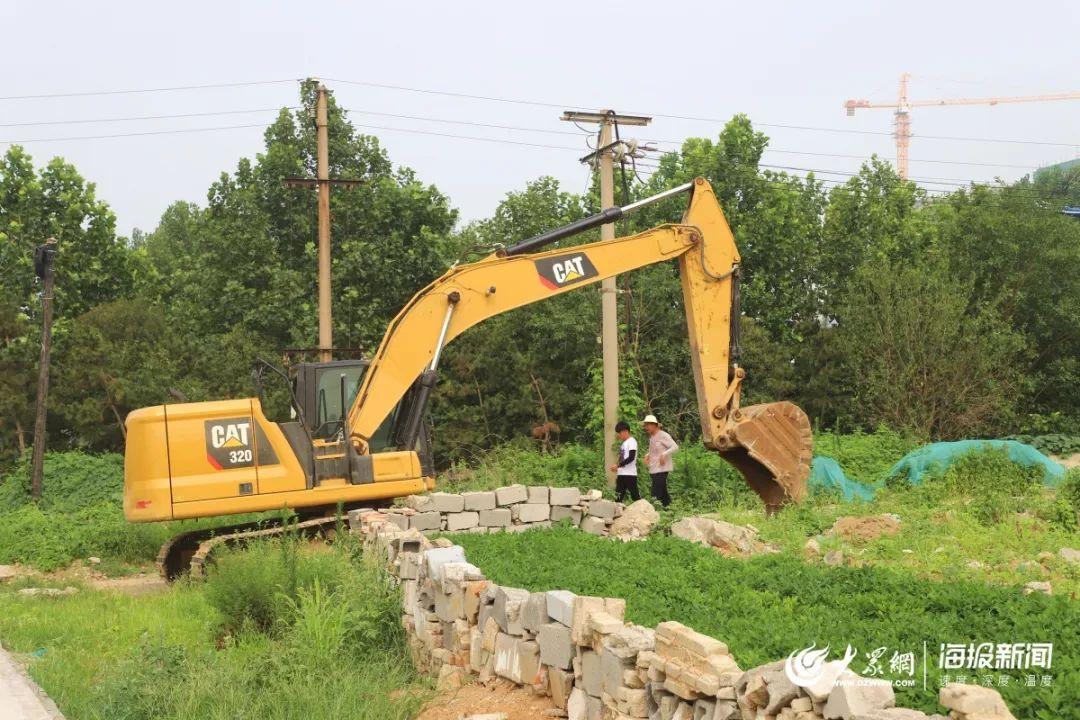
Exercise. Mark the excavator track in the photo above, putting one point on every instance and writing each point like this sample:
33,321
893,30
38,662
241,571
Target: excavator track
190,553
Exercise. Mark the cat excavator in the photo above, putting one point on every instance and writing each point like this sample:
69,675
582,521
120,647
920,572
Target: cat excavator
358,429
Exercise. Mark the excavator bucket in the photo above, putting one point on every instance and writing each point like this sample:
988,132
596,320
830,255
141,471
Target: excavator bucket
772,446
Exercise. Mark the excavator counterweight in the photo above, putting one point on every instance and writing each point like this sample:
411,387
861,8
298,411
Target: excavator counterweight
359,433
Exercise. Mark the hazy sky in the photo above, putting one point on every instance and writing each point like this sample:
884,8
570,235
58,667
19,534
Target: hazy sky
783,63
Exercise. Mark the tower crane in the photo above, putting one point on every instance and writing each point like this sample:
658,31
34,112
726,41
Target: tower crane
902,110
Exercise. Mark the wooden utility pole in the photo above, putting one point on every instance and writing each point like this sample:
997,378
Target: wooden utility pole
43,266
322,183
609,334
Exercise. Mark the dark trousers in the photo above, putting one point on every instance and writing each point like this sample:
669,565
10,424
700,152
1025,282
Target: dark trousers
659,488
626,484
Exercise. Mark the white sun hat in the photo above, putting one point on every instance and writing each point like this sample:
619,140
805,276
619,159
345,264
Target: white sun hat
650,419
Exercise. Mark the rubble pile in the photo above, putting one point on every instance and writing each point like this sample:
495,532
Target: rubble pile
581,652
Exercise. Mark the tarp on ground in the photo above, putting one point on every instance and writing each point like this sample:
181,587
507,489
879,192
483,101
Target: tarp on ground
826,475
937,457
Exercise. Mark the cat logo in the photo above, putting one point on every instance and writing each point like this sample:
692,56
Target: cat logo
232,435
228,443
558,272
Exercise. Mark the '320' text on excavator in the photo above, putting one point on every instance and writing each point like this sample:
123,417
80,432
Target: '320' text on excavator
359,433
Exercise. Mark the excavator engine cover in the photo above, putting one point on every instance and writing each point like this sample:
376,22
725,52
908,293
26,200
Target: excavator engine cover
772,446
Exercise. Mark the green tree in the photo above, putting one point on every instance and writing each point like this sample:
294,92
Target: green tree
926,355
522,369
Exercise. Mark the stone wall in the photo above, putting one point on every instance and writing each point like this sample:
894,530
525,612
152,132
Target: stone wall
579,650
512,508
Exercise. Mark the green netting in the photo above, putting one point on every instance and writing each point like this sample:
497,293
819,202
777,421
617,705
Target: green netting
826,475
937,457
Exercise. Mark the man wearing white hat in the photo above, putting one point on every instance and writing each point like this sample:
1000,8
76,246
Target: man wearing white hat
658,460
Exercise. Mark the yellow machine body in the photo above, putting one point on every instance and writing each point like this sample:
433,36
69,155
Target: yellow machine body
205,459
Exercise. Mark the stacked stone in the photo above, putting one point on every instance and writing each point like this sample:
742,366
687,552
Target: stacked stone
579,650
513,508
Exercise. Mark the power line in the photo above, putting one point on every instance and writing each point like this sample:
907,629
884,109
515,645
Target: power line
520,101
134,134
147,117
135,91
692,118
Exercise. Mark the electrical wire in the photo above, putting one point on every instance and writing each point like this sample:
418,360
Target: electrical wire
147,117
135,91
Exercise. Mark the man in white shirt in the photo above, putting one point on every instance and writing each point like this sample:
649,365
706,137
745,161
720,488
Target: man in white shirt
626,468
658,459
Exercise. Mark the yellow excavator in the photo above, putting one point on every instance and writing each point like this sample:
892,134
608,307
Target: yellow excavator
358,434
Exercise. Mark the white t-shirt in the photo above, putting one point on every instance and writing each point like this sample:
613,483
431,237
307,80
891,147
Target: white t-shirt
630,469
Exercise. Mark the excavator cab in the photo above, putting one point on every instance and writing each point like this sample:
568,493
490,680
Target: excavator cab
318,390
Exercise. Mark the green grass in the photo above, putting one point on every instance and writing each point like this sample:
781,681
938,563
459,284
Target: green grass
766,607
81,515
332,648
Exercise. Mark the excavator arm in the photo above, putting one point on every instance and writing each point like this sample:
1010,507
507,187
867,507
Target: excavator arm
769,444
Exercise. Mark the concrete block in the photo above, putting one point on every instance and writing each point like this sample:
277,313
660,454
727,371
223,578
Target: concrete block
593,525
538,494
536,614
398,520
560,512
560,683
859,696
516,659
408,565
499,517
611,671
694,642
478,500
781,691
592,676
602,509
704,709
420,503
594,709
435,558
632,702
425,521
462,520
576,705
531,512
560,606
564,496
450,606
508,608
510,495
556,649
446,502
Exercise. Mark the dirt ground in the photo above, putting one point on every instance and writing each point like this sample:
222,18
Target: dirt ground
1068,462
476,699
137,584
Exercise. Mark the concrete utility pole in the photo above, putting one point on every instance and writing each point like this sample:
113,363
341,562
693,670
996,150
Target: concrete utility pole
322,183
322,175
609,334
43,266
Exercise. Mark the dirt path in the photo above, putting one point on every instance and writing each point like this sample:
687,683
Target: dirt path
20,697
502,697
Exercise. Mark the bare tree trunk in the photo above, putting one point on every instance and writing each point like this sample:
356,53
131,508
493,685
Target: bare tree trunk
20,434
